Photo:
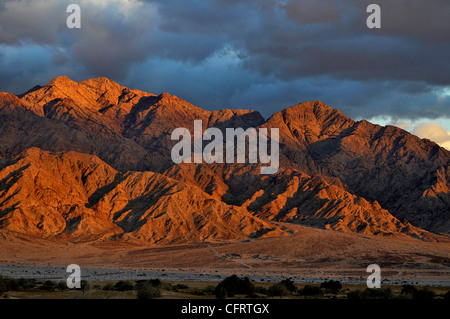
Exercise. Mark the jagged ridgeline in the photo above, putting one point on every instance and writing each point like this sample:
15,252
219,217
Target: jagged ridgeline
92,159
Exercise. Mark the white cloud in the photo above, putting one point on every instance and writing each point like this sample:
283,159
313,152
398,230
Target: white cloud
403,124
434,132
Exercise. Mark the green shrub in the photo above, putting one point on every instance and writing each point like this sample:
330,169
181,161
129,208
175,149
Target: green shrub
235,285
124,285
408,290
13,284
289,284
26,283
310,290
354,294
154,282
85,286
108,286
283,288
331,286
277,290
62,285
4,287
7,284
145,290
48,285
165,285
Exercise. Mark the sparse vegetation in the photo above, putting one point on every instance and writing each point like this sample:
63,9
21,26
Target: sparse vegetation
311,291
26,283
354,294
234,285
289,284
85,286
62,285
370,293
108,286
124,285
146,290
4,287
283,288
209,290
7,284
261,290
13,284
166,285
408,290
49,285
331,286
181,286
278,290
196,292
154,282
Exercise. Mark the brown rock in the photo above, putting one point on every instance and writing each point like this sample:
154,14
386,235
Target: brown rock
335,173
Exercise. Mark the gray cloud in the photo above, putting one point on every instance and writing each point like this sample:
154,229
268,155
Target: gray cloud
36,21
263,54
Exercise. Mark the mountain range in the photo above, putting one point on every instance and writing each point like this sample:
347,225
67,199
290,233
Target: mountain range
91,160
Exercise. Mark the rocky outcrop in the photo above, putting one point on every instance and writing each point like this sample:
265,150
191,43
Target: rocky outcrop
334,172
78,197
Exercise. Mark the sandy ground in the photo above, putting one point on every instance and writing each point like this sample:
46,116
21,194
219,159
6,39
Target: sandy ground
308,255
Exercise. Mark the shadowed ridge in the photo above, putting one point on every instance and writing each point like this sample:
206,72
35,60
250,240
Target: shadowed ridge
10,102
130,130
77,197
35,88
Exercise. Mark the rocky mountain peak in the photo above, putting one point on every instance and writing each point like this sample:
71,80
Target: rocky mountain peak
113,145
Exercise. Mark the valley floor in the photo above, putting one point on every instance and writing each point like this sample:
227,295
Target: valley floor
308,255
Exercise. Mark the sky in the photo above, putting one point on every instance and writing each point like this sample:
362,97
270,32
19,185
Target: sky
264,55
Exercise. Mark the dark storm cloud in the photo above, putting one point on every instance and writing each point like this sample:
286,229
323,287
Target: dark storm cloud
264,54
320,45
37,21
427,20
300,39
